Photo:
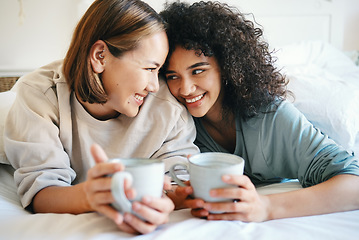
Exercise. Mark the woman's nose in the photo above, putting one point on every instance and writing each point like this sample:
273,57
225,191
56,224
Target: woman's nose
153,84
186,87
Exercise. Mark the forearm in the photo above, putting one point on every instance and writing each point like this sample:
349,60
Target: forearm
56,199
340,193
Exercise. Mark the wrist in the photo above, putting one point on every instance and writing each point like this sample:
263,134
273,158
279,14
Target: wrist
85,203
268,208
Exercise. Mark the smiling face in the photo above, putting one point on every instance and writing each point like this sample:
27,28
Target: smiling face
128,79
195,81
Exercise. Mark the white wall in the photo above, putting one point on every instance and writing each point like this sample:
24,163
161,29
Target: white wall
351,25
38,35
46,28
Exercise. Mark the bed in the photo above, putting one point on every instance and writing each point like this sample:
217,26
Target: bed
325,81
326,92
16,223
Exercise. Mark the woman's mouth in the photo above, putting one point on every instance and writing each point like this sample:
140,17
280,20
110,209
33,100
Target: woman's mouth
195,99
139,99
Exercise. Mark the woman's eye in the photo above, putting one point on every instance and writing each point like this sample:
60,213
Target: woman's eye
151,69
197,71
171,77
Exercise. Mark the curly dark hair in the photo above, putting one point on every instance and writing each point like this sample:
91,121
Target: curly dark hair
248,74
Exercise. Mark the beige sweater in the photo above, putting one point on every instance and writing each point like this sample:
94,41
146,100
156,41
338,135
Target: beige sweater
48,133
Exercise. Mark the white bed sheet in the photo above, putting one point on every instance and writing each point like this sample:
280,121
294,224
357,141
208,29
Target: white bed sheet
16,223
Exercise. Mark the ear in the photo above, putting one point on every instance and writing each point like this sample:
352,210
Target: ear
97,56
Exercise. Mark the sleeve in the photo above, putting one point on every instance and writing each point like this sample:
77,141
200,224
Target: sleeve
32,143
294,148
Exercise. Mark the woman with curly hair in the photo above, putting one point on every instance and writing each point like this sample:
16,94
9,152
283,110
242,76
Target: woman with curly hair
220,68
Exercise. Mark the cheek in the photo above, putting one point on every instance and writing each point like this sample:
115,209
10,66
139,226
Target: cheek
172,87
214,84
174,91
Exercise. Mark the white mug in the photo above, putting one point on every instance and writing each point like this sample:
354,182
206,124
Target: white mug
145,175
206,171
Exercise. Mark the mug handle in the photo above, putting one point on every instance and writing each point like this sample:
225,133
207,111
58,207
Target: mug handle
174,176
121,203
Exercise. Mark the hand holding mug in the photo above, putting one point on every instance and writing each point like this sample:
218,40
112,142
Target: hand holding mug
206,171
99,197
147,209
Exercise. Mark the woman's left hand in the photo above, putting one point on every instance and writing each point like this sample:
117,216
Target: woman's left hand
155,210
247,205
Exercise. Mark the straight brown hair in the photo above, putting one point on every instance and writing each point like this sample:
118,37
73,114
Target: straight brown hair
121,24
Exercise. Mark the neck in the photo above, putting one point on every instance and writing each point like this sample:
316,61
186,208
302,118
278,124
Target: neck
219,121
222,131
99,111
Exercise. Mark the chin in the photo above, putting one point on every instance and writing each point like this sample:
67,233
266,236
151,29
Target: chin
132,114
197,114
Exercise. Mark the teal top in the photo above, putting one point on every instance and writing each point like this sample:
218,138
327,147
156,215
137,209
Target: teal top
283,144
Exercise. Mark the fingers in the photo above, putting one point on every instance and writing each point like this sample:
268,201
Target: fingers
228,207
242,181
229,216
127,228
163,204
200,213
167,183
98,191
249,205
154,210
244,192
103,169
98,153
136,224
231,193
111,213
179,195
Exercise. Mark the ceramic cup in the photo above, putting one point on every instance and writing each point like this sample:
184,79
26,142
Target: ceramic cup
145,175
205,173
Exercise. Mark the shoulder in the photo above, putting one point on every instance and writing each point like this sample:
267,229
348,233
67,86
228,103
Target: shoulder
42,92
165,103
285,111
278,113
42,83
42,78
281,113
164,94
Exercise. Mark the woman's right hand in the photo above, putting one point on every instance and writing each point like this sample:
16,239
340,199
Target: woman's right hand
99,198
98,185
97,188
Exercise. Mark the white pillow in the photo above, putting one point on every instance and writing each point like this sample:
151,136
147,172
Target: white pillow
6,100
329,104
326,87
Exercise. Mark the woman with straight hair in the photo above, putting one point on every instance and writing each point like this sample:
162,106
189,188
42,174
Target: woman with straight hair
106,92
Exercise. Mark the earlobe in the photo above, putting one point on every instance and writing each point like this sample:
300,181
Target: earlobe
97,56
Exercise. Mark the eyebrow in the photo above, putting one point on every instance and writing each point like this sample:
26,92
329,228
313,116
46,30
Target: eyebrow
197,65
193,66
152,62
155,63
